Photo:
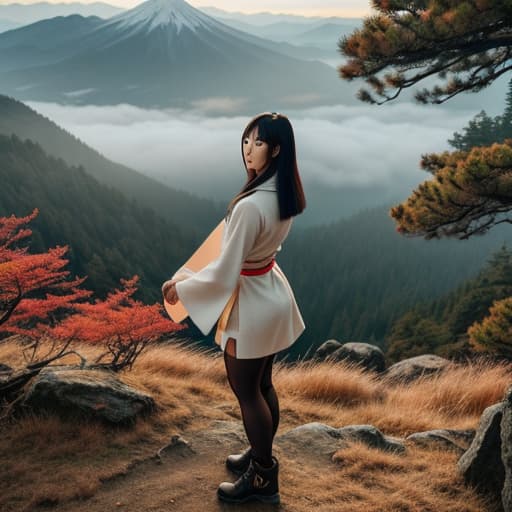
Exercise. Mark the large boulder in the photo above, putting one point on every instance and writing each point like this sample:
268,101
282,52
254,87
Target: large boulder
506,450
481,464
326,349
70,391
410,369
370,357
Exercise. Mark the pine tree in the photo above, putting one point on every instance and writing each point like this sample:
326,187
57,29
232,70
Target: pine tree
493,334
505,124
481,130
470,193
466,44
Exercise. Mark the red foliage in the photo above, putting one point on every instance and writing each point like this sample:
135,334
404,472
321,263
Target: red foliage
119,317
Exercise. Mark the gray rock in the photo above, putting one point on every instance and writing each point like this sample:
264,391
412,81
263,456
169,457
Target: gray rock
178,446
452,439
315,439
506,450
319,438
372,436
69,392
410,369
481,464
326,349
370,357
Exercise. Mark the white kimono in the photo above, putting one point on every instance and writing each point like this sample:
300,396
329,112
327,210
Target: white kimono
265,317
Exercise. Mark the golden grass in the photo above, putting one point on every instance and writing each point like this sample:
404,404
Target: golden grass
49,460
424,480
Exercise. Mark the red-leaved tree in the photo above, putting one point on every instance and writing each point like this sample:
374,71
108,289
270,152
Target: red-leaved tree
39,303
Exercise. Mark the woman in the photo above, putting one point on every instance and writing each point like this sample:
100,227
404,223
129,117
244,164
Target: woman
249,297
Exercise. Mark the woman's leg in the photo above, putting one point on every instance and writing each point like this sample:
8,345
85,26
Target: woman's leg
244,376
269,393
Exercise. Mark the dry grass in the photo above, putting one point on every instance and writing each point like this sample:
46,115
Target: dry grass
46,459
424,480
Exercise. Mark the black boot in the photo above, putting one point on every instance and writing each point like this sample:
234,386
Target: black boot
257,483
240,462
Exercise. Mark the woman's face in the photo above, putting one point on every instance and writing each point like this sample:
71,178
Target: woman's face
255,152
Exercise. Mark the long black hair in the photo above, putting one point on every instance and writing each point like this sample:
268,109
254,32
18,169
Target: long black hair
276,130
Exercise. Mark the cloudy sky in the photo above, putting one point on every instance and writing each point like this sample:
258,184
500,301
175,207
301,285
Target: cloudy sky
346,8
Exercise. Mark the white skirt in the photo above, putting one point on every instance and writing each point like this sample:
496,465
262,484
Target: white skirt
265,317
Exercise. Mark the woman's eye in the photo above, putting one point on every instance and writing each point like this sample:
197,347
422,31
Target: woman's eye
257,142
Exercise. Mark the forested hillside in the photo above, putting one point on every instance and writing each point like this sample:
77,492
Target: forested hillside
193,213
354,278
440,326
109,235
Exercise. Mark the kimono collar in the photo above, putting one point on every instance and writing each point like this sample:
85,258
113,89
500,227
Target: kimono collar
269,184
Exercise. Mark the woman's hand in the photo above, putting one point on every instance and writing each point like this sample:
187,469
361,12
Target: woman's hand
169,291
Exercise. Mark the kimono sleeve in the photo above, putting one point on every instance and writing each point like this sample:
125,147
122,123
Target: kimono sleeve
205,293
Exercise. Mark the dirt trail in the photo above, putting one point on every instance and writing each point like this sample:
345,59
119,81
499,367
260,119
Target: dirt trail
185,478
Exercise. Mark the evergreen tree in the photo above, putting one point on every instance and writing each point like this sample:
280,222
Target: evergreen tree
471,192
493,334
505,121
482,130
465,43
456,331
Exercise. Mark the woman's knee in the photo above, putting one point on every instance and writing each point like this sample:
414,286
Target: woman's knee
266,378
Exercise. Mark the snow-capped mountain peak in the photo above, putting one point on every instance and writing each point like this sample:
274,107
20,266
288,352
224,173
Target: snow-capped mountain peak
154,13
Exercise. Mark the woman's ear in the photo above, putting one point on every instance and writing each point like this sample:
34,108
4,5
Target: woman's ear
275,151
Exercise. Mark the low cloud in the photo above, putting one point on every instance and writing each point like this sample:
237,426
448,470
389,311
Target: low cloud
336,145
218,105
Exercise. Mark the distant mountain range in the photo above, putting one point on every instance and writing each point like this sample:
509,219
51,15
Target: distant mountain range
15,15
23,14
162,53
316,31
315,36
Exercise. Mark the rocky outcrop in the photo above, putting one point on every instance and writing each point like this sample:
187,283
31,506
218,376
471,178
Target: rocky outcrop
506,450
451,439
322,438
410,369
487,464
71,392
370,357
481,464
326,349
366,355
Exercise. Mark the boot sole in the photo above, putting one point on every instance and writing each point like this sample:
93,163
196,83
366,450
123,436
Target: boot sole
273,498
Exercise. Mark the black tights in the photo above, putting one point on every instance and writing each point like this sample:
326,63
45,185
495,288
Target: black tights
251,381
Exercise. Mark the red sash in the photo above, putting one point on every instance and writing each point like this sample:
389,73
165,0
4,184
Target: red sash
258,271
